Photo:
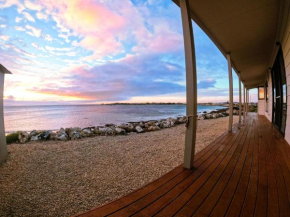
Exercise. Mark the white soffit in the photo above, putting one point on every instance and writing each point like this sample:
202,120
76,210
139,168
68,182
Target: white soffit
244,28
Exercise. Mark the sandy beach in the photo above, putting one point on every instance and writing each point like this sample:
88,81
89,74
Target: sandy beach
64,178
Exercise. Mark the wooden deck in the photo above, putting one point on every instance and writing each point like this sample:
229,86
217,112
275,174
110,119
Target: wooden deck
243,173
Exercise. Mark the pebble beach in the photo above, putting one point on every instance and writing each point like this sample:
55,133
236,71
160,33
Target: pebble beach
63,178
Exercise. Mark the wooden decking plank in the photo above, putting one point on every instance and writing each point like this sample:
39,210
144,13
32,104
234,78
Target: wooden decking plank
281,187
174,194
262,194
273,203
244,165
243,173
237,202
226,180
150,198
162,202
139,193
226,166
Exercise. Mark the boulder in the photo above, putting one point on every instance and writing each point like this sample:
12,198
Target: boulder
181,120
127,126
208,116
120,131
86,132
35,138
201,117
46,135
23,137
153,128
61,135
138,129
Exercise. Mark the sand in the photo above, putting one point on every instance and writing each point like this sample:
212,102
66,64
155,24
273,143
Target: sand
64,178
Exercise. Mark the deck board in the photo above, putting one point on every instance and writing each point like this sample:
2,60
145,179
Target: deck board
242,173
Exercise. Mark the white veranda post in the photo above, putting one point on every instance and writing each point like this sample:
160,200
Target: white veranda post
3,145
240,98
191,85
244,102
230,92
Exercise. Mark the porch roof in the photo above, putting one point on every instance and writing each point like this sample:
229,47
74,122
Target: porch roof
246,29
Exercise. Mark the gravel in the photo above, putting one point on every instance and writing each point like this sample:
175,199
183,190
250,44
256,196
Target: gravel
64,178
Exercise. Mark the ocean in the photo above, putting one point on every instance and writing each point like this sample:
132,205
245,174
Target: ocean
27,118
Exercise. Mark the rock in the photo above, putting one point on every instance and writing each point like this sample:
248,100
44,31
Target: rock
214,116
139,129
200,117
86,132
141,124
110,125
46,135
204,112
61,135
127,126
23,137
110,132
107,131
181,120
75,135
153,128
35,138
120,131
33,133
208,116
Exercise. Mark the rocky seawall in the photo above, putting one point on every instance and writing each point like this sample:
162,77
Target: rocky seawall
64,134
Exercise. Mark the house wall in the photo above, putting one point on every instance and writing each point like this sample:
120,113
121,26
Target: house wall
261,107
269,102
285,43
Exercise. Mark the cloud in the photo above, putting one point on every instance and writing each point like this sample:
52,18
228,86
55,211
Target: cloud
3,26
48,37
129,77
4,37
32,6
205,84
18,19
34,31
9,3
28,17
19,28
41,16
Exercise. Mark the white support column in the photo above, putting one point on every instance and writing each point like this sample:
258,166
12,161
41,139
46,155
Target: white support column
191,85
248,109
244,102
247,101
230,92
240,98
3,145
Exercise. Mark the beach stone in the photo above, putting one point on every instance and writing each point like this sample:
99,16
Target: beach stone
127,126
110,125
153,128
208,116
213,116
33,133
61,135
181,120
46,135
139,129
75,135
120,131
110,132
23,137
52,136
141,124
86,132
204,112
200,117
35,138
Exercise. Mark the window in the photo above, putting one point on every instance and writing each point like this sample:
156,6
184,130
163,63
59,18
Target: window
261,93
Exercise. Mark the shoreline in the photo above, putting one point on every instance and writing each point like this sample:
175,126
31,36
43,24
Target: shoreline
73,133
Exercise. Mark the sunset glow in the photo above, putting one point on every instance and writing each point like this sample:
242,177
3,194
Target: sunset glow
95,51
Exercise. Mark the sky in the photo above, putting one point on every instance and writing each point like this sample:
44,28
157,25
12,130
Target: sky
103,51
